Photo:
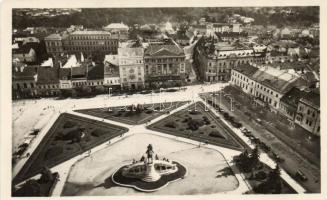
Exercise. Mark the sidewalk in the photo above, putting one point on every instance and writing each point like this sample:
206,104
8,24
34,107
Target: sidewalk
263,156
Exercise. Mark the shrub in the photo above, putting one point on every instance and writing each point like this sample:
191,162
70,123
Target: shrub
53,152
206,120
69,124
97,133
193,112
171,124
194,124
261,175
216,134
73,135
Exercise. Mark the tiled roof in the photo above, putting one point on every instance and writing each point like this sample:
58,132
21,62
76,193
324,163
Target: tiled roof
95,72
292,97
279,80
47,75
247,70
312,98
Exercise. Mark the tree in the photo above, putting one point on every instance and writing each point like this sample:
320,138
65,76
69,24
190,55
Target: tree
46,175
255,155
32,188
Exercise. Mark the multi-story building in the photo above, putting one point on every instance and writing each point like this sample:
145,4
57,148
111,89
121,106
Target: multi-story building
85,41
131,65
164,64
215,62
24,81
54,44
111,71
289,103
47,81
266,84
91,41
308,112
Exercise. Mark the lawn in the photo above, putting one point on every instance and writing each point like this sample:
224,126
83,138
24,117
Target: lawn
133,114
198,124
69,136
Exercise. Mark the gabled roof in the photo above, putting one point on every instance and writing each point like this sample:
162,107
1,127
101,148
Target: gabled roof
164,50
117,26
54,36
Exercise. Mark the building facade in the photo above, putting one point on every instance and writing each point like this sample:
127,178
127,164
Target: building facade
131,66
85,41
216,66
308,112
164,65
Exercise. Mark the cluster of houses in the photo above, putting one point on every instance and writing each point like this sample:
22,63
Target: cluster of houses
275,74
134,65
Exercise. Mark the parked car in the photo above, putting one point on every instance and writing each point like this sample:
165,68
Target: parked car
300,175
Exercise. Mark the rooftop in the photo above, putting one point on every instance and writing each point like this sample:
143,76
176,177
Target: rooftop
117,26
24,73
312,98
54,36
279,80
89,32
164,50
246,69
293,96
47,75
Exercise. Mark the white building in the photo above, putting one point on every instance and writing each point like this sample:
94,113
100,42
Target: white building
116,28
131,65
266,84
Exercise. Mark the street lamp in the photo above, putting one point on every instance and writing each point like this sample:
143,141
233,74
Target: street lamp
109,94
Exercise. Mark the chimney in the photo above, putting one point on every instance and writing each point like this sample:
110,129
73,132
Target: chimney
21,68
60,64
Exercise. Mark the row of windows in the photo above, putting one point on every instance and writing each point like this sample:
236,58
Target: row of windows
239,54
87,83
244,78
32,85
163,60
90,37
309,111
239,62
110,42
90,48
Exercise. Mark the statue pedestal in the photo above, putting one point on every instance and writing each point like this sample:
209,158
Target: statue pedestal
151,175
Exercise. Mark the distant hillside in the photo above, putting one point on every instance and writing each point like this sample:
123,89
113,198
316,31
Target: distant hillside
95,18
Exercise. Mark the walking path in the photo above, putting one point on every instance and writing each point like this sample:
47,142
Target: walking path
190,94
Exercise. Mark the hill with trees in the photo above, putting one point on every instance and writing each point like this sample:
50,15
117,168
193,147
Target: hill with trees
98,17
